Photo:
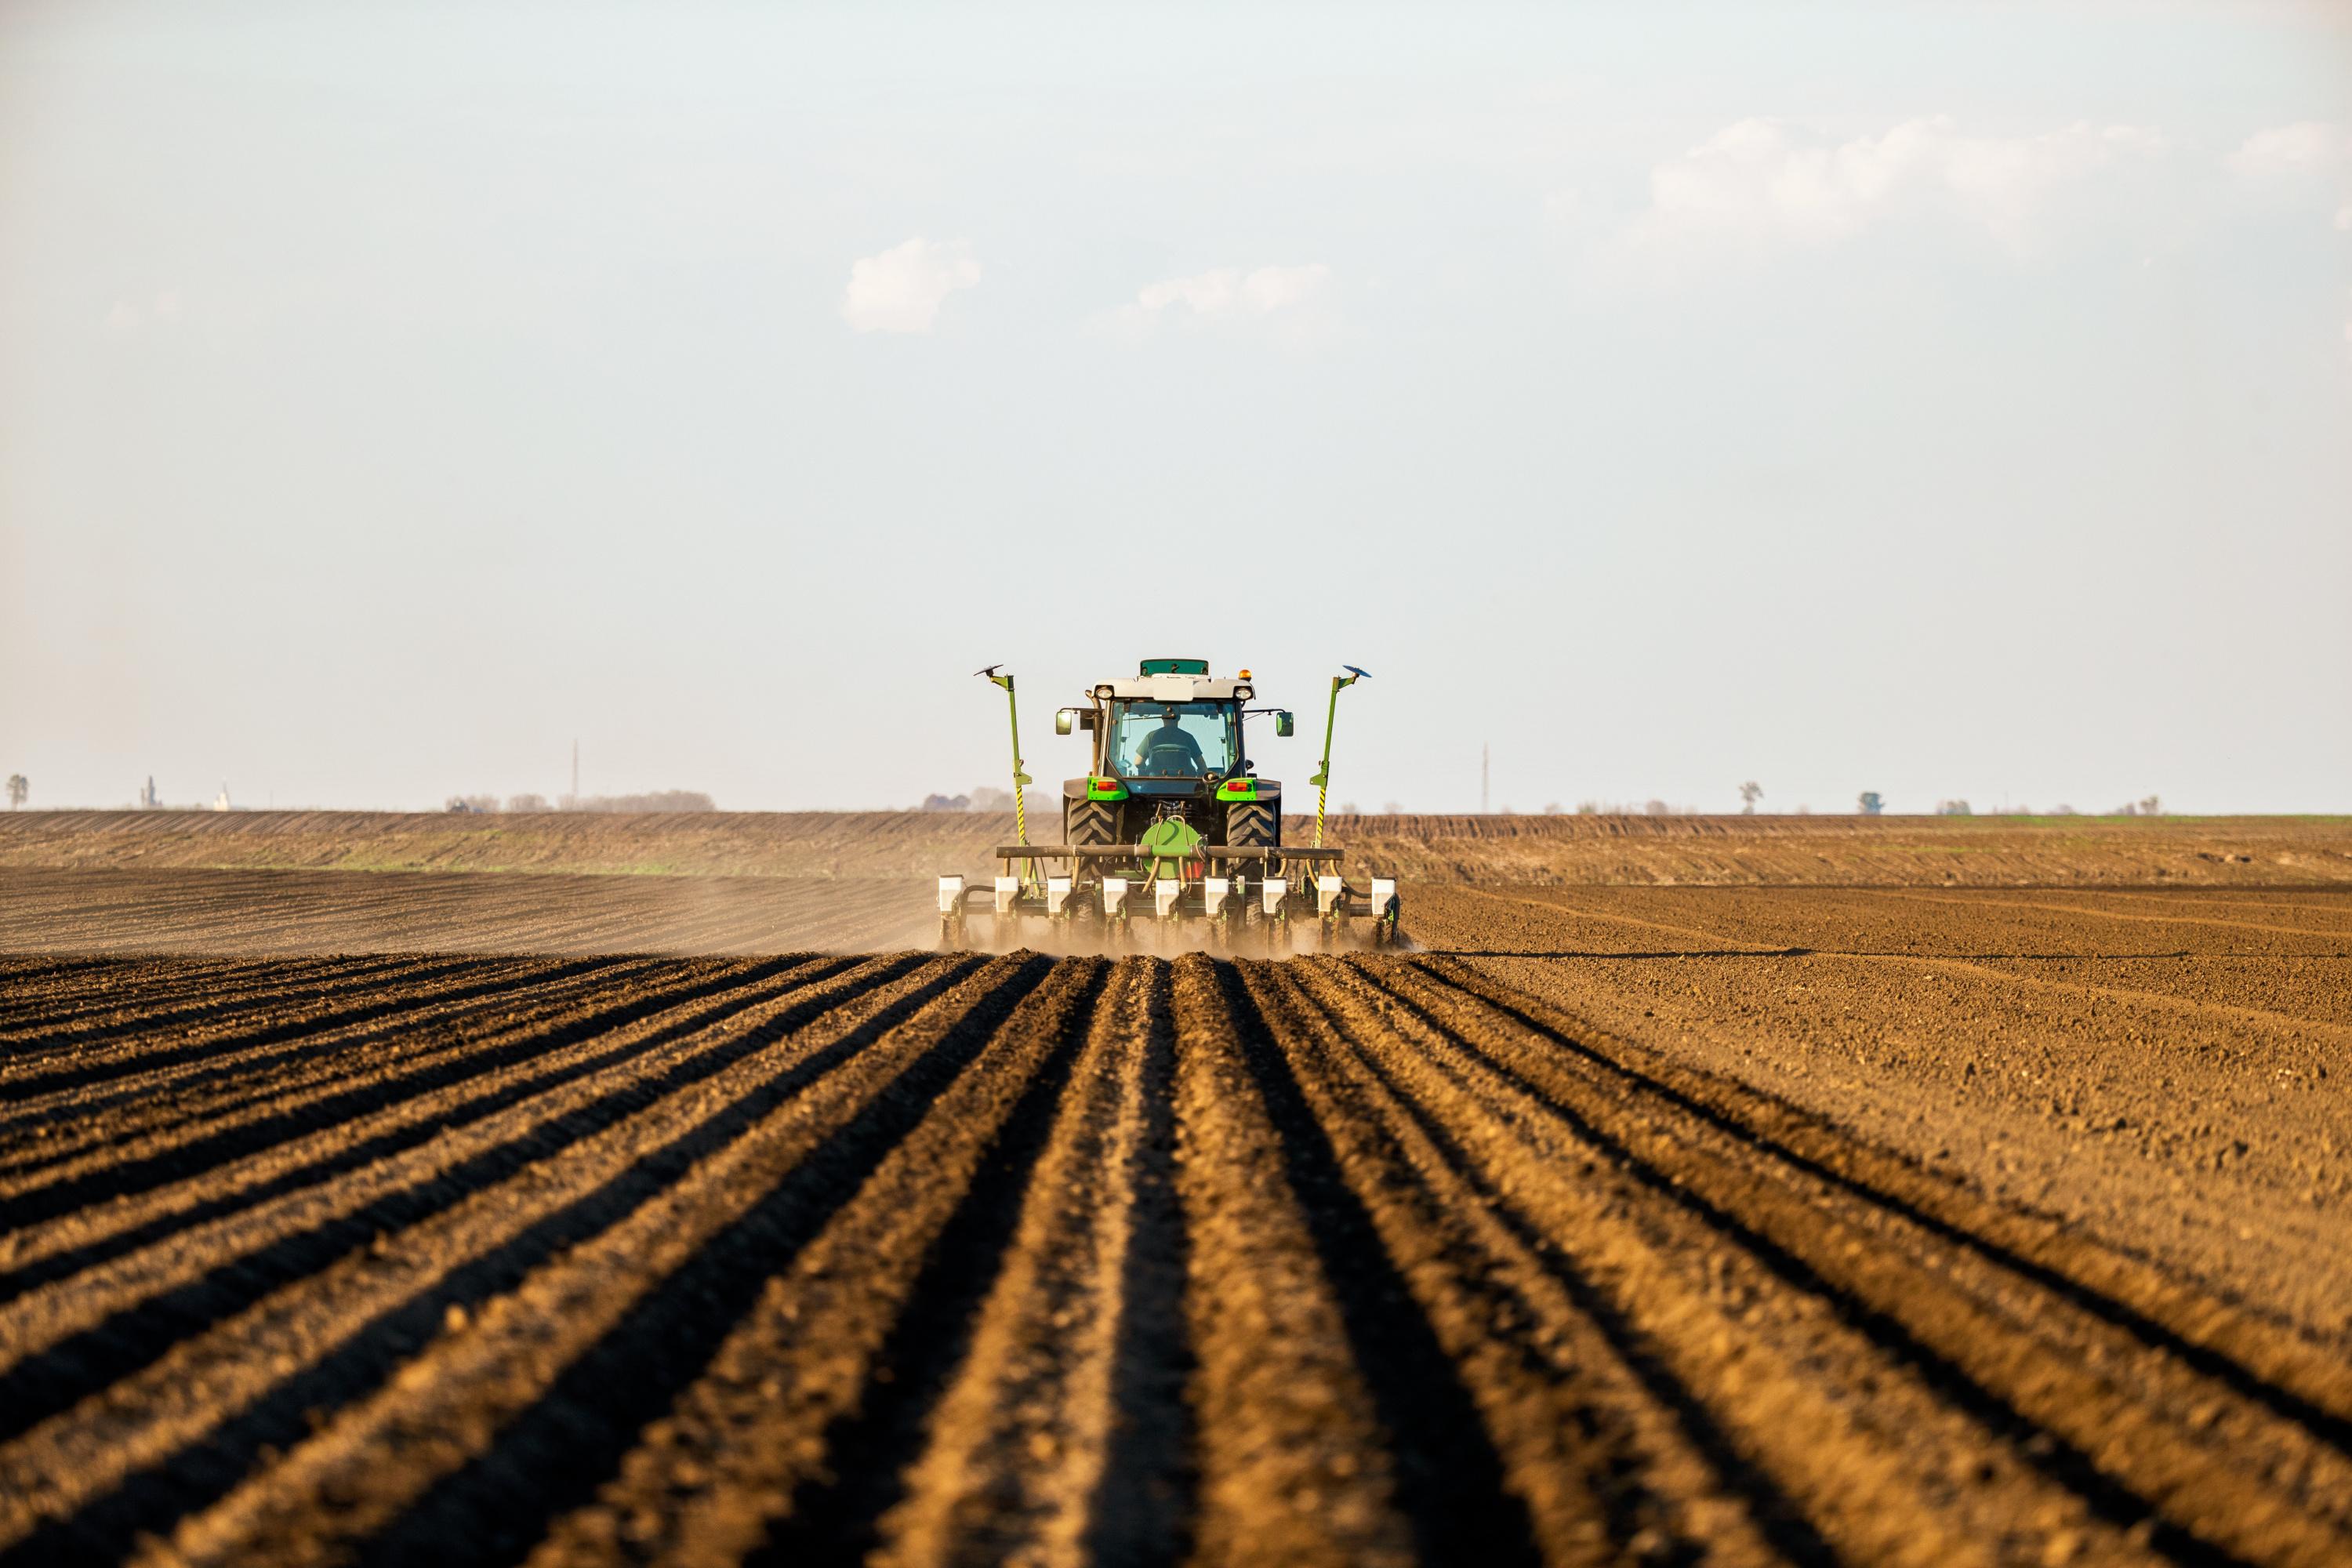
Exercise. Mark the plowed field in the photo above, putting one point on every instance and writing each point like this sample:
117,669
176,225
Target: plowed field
1630,1225
43,909
1988,851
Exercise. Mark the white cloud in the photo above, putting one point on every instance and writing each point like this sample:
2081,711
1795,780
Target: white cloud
128,317
2308,146
1228,291
900,290
1294,300
1761,180
2307,161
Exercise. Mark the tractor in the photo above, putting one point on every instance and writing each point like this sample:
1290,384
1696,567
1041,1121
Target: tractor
1171,825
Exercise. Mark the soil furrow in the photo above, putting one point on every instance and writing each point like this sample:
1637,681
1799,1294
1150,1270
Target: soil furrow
946,1270
2257,1360
1292,1462
150,996
139,1057
574,1046
2108,1436
331,1337
203,1100
801,1422
1599,1446
262,1220
527,1384
1019,1466
1899,1478
103,1164
352,1079
138,1130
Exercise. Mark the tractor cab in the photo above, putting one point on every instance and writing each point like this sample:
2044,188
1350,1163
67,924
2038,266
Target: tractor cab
1172,733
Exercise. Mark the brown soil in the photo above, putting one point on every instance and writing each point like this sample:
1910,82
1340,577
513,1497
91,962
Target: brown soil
114,910
2170,1069
1480,850
1636,1225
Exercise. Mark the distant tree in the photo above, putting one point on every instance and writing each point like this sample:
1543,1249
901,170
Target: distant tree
945,802
2062,809
1551,808
1872,803
1391,808
2151,806
662,800
1348,809
987,799
1588,808
1657,808
18,790
1749,793
526,803
1953,808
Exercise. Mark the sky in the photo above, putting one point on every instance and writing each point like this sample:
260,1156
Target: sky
1952,400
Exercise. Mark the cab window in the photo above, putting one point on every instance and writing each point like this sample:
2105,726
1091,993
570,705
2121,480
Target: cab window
1142,744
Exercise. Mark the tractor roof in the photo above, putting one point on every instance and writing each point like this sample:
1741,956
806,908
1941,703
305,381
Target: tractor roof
1176,680
1169,688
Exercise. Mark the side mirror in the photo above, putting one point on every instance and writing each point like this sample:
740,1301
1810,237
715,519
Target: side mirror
1065,721
1282,721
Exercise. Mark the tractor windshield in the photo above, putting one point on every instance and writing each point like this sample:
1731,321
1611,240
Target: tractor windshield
1172,740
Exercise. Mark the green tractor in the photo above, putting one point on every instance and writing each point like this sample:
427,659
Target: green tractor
1171,825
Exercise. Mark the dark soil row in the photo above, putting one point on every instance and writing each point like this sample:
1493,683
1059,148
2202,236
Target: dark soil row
930,1260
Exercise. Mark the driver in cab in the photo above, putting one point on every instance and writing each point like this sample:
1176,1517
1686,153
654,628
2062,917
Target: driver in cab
1169,750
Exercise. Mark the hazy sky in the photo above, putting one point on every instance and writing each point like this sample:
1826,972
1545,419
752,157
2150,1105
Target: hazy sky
1947,400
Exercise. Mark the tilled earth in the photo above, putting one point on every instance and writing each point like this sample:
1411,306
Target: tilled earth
206,910
1649,1225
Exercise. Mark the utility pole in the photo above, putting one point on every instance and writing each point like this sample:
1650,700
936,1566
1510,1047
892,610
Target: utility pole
1485,775
575,773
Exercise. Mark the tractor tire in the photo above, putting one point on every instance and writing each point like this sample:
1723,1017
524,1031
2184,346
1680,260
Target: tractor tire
1251,825
1089,822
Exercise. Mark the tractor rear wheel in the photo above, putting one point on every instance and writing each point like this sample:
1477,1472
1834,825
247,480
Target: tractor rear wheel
1089,822
1251,825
